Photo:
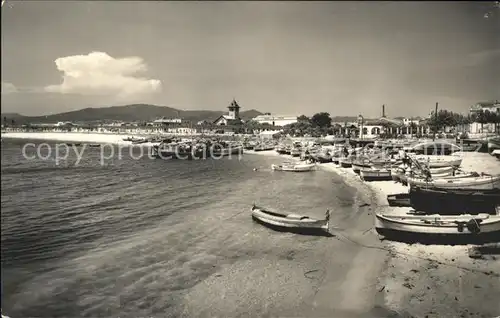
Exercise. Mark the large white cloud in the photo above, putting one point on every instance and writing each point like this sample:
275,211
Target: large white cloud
100,74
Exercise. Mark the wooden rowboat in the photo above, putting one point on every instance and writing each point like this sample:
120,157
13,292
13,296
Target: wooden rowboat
433,161
459,183
345,162
294,167
290,221
496,153
431,225
358,165
401,174
375,174
454,201
399,200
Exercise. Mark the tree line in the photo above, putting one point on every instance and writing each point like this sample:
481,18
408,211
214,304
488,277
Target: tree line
445,118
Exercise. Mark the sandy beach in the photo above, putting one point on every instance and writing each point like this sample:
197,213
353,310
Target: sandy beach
377,278
438,280
422,280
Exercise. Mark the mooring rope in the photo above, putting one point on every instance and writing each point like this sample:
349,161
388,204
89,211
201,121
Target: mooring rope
387,249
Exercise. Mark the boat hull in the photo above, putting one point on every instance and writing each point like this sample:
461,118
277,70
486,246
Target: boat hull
496,153
459,183
439,161
345,163
399,200
294,168
493,144
357,167
457,229
284,222
454,202
375,175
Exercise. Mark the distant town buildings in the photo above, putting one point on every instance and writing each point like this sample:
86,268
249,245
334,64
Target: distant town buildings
275,120
164,120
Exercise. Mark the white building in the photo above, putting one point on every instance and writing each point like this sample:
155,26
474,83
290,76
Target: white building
182,131
275,120
164,120
408,121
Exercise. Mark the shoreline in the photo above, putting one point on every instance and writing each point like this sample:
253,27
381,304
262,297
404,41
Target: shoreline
417,280
425,280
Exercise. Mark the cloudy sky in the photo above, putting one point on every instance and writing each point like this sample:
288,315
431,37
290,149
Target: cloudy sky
281,57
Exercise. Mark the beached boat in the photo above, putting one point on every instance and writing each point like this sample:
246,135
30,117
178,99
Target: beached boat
462,225
139,141
345,162
321,157
493,144
94,145
282,149
358,165
375,174
496,153
294,167
434,148
290,221
263,147
295,152
399,200
433,161
464,182
454,201
402,172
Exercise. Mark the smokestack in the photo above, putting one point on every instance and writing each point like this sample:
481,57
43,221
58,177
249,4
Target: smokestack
383,111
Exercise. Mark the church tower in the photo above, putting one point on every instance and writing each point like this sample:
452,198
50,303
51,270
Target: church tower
234,110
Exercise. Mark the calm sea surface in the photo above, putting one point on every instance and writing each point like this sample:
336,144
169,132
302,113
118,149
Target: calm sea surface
155,238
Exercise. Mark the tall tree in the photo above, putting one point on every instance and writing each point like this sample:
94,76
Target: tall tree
322,120
303,118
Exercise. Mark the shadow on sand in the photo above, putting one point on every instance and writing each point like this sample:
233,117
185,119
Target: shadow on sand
301,231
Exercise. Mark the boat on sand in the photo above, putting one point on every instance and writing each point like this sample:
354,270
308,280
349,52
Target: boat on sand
466,182
294,167
345,162
375,174
453,201
496,153
470,226
399,200
436,161
290,221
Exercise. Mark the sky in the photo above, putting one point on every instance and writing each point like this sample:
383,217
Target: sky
286,58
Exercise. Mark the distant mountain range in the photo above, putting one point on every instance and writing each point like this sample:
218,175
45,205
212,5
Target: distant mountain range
127,113
137,112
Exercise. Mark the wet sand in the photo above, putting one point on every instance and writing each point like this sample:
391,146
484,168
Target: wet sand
349,264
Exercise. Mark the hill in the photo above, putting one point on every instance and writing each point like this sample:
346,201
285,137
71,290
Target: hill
127,113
